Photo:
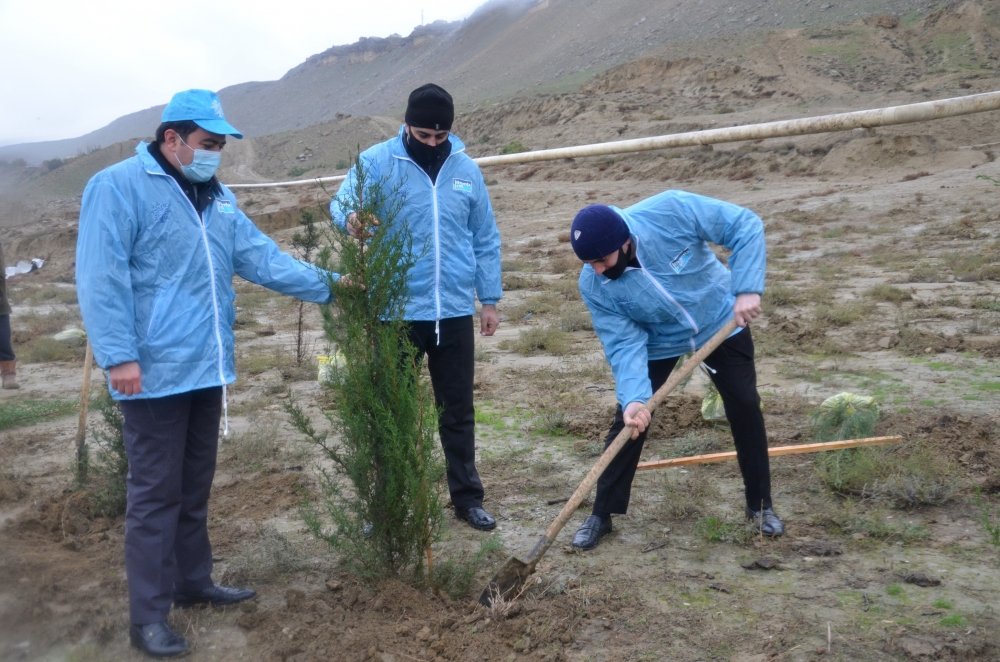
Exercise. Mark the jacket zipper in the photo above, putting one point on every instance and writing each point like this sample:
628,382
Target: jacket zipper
211,277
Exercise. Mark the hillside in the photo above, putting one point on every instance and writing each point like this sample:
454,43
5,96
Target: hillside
506,48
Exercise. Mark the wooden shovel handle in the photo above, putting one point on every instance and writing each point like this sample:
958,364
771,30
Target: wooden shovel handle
623,437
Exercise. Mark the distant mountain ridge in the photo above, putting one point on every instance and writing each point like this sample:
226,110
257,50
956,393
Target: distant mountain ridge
506,48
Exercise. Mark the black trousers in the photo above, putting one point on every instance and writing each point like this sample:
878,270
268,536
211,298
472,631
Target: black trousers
171,445
450,351
735,376
6,348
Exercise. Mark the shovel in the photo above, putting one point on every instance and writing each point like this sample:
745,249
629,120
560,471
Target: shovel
507,582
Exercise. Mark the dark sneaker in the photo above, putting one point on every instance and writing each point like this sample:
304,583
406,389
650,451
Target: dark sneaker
477,518
767,522
591,531
158,640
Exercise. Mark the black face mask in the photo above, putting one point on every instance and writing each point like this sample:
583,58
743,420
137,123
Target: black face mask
624,257
427,157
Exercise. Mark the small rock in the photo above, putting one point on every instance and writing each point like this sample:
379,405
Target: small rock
763,563
920,579
334,585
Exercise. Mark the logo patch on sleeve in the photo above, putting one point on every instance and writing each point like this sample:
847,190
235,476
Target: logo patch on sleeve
224,206
461,185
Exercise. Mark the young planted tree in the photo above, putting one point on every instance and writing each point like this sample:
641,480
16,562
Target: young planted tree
380,503
306,243
111,466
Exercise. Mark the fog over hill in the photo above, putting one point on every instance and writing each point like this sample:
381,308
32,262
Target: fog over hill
506,48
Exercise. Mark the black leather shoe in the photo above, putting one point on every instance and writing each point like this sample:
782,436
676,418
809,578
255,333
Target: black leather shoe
477,518
158,640
767,522
591,531
217,596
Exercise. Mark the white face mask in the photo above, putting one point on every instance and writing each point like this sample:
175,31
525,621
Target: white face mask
203,166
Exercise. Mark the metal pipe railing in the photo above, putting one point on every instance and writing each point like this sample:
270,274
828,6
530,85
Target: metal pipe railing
904,114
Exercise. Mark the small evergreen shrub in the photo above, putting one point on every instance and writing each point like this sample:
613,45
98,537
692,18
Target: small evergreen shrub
379,504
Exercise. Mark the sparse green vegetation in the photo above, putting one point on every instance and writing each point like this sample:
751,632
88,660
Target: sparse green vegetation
457,577
513,147
104,463
520,282
784,295
45,349
715,529
989,519
953,621
267,555
17,412
256,448
539,340
906,478
844,314
575,320
888,293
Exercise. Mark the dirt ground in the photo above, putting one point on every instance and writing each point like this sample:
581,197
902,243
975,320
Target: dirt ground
883,280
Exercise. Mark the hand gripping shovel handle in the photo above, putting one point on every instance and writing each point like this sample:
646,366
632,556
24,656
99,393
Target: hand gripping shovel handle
676,377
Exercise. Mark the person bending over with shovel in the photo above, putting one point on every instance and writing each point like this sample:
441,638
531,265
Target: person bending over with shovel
656,291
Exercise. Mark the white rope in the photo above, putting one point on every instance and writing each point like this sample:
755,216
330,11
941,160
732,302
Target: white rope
914,112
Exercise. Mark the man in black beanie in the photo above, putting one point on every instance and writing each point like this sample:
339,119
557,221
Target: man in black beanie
444,206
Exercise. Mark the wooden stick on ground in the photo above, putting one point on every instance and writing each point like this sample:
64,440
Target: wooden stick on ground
771,452
81,426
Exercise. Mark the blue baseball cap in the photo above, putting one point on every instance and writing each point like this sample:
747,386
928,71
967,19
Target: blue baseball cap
201,107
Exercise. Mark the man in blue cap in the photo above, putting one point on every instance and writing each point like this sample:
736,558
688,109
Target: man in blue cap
656,290
159,243
445,207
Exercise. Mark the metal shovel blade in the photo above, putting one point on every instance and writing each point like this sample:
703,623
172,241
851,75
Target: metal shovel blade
507,582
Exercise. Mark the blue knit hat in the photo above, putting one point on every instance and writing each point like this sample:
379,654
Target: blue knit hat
201,107
597,230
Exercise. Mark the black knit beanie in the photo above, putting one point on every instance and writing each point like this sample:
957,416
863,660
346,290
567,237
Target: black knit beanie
430,107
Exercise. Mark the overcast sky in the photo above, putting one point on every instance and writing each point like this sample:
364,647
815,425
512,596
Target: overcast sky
68,67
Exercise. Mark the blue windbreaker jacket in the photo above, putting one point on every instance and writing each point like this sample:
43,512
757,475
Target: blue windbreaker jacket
682,294
451,223
155,280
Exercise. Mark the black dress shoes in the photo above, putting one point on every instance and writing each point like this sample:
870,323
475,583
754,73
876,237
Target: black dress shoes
158,640
477,518
591,531
767,522
215,595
